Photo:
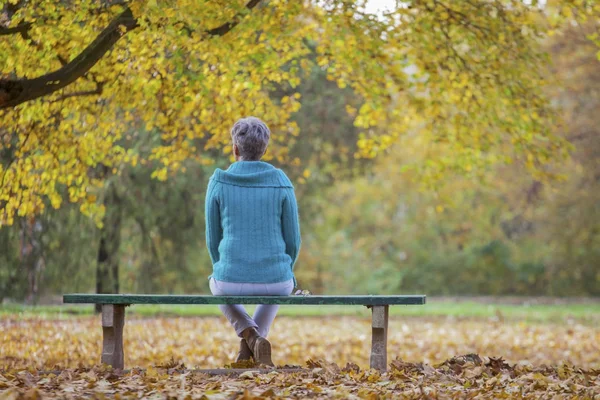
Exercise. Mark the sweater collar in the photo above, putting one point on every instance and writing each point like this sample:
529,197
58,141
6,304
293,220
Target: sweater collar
249,167
252,174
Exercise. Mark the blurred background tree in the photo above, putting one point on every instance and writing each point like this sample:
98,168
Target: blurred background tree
409,151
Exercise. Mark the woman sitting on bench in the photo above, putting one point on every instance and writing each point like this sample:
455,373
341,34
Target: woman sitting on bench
252,234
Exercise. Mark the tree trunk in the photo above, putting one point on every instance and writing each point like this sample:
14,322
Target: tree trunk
107,268
31,256
150,260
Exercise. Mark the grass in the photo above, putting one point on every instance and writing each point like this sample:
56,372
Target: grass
584,313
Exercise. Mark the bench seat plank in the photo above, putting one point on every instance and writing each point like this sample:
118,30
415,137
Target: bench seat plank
366,300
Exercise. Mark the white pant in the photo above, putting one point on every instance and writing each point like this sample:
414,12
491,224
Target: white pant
236,313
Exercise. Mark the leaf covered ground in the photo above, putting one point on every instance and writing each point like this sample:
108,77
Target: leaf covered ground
435,357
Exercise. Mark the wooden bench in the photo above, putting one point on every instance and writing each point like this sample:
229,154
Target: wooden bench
113,314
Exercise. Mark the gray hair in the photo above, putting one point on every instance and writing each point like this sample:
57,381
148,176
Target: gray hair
251,136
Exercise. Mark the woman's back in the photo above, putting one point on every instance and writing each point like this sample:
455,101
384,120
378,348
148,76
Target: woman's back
252,224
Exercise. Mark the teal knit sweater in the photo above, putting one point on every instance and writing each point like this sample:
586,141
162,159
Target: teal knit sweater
252,228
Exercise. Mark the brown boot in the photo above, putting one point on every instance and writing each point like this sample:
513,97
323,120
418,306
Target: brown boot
245,354
260,347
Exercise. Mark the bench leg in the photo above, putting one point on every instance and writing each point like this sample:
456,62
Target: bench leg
379,337
113,320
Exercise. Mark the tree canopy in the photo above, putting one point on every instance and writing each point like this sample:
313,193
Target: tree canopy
80,79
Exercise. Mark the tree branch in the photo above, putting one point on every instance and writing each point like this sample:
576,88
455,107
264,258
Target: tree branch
226,27
220,30
98,90
21,28
14,92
